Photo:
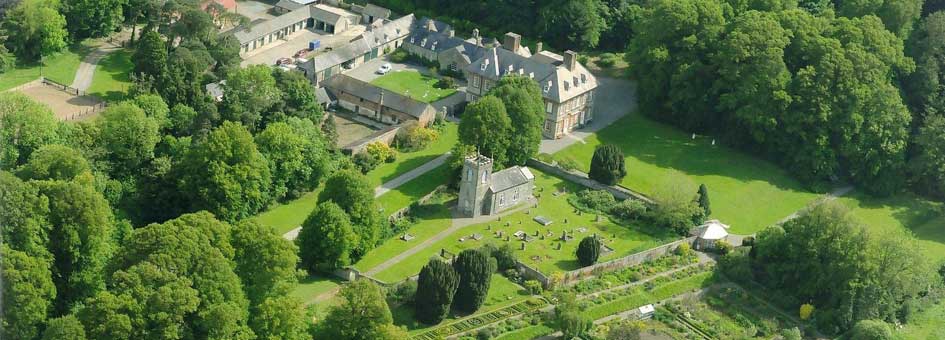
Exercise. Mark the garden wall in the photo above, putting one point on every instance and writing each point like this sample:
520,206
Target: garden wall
403,212
576,275
385,136
582,179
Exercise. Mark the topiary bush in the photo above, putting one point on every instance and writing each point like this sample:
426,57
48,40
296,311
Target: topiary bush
588,251
607,165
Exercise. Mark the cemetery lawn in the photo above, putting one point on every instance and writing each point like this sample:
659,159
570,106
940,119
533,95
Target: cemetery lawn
60,67
541,254
413,84
903,212
746,193
112,76
407,161
433,218
502,292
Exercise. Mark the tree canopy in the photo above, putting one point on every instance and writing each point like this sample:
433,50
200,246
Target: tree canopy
327,239
355,195
363,315
475,276
35,29
486,126
435,290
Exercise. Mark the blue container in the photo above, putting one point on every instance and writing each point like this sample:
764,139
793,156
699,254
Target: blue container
314,44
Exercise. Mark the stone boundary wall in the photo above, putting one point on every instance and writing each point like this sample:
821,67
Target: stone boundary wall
385,136
582,179
403,212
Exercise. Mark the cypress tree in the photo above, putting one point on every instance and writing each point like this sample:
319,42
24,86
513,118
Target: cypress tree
704,200
607,165
588,251
435,290
475,274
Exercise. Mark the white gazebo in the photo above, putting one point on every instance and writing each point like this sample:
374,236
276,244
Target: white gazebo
708,234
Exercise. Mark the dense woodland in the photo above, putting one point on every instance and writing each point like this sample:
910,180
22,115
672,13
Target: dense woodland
134,225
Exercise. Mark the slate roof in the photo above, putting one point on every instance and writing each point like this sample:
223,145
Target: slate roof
360,45
248,34
330,14
372,93
375,11
557,82
293,4
509,178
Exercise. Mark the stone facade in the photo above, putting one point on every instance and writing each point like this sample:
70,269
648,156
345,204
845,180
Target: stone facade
482,192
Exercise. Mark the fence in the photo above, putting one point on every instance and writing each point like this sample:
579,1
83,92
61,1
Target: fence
65,88
582,179
98,106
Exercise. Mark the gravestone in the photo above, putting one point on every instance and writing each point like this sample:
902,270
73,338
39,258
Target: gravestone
523,245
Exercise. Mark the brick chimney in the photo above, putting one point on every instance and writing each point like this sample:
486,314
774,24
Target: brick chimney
512,42
538,47
570,60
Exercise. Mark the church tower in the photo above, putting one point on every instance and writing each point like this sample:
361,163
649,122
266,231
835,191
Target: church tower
474,185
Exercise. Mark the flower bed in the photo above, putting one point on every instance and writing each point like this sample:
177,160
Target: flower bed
633,273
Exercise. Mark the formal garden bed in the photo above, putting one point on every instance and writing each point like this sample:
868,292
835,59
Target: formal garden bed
632,274
483,319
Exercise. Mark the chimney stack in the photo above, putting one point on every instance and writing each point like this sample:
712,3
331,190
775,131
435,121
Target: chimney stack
431,26
570,60
451,33
512,42
538,47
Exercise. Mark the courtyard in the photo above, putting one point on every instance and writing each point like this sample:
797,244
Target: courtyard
350,131
416,85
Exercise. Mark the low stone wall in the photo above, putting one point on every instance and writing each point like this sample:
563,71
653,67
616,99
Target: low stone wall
576,275
530,273
403,212
582,179
385,136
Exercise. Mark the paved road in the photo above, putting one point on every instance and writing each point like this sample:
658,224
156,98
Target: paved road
458,222
86,71
613,99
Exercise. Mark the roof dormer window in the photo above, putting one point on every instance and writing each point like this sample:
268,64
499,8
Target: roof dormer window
547,86
485,64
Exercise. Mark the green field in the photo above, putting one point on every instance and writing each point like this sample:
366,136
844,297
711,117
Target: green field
922,218
112,76
413,84
407,161
926,325
313,286
288,216
502,292
410,192
542,254
746,193
60,67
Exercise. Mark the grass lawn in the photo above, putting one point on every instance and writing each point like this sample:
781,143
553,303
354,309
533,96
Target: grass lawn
413,84
903,212
113,76
433,220
60,67
288,216
313,286
746,193
502,292
543,254
527,333
409,192
927,325
407,161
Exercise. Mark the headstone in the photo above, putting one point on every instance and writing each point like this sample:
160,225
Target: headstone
713,142
559,245
507,223
523,245
542,237
489,227
508,238
566,220
536,232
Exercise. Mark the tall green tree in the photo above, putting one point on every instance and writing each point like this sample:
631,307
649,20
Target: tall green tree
928,165
296,154
298,96
35,29
607,164
567,23
327,239
525,108
55,162
150,57
25,126
226,174
264,261
64,327
588,251
871,330
355,195
899,16
363,315
24,217
703,198
28,293
81,230
128,136
248,94
925,88
486,126
435,290
475,276
279,318
92,18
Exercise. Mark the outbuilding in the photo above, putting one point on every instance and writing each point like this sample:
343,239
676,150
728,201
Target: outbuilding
708,234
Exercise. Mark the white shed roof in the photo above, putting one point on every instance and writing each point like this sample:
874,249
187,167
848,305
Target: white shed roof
647,309
711,230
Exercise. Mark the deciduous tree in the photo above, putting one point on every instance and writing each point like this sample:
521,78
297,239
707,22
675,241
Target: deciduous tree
150,57
928,165
486,126
25,126
28,293
35,29
327,239
525,108
92,18
355,195
56,162
64,327
128,136
363,315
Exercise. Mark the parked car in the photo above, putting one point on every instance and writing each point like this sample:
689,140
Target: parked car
283,61
302,53
384,69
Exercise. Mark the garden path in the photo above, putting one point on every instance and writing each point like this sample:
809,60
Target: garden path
103,47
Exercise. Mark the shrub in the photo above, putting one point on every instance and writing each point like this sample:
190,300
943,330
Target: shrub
723,247
607,164
582,59
568,164
588,251
684,249
504,255
365,162
399,56
748,241
513,275
871,330
629,209
415,137
446,83
533,287
607,60
594,200
806,311
381,152
404,293
791,334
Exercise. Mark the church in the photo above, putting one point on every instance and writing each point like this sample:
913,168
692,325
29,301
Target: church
482,192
